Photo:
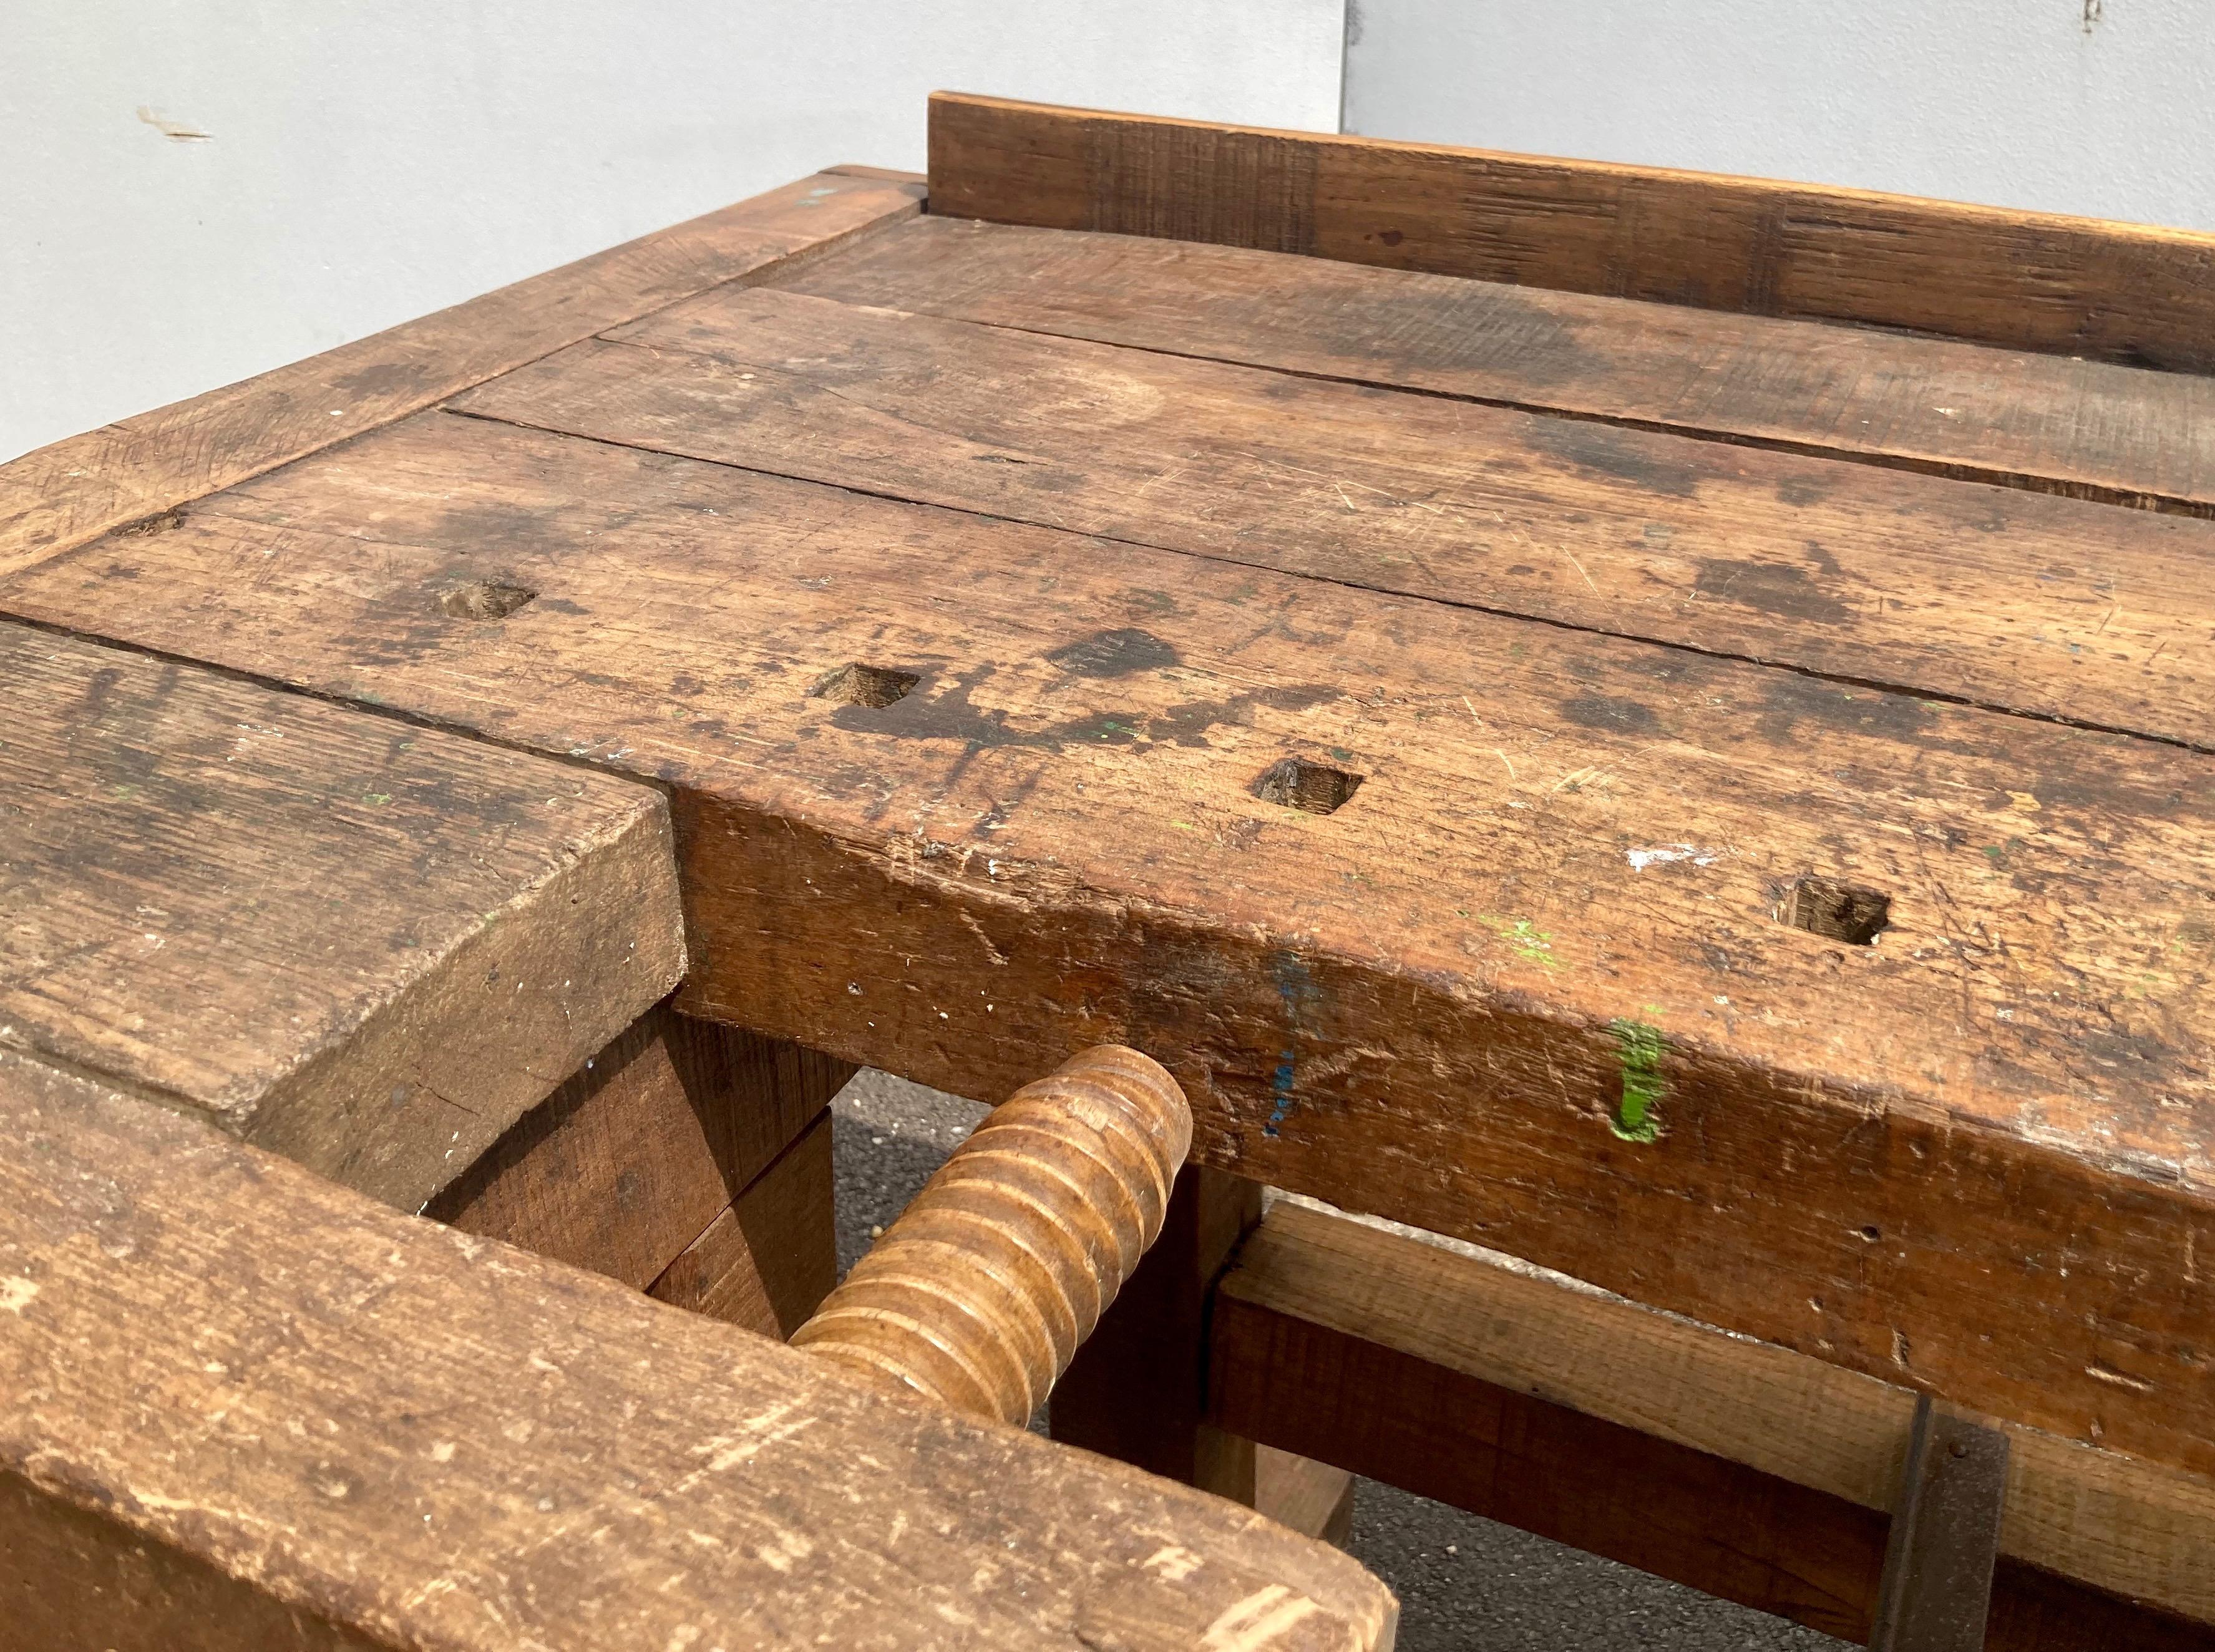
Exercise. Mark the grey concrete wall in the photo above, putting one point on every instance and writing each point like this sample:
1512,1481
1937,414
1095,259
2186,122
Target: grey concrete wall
197,190
2098,107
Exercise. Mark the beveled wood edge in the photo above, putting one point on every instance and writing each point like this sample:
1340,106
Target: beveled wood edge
95,1515
1730,182
112,477
881,174
2122,1526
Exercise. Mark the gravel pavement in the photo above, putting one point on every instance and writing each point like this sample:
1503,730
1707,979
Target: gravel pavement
1466,1584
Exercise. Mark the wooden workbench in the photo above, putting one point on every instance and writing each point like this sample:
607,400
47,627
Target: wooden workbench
1660,726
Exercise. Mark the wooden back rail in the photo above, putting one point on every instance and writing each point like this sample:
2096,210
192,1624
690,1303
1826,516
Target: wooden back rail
2077,287
243,1408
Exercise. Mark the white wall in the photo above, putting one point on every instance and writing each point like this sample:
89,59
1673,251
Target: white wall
2068,106
367,161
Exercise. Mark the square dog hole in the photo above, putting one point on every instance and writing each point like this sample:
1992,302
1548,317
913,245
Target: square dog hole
870,685
1315,788
1841,911
484,599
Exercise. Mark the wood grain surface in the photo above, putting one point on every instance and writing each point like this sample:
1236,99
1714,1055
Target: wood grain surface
1989,595
2054,424
2025,281
365,945
1308,1288
644,1146
141,468
235,1398
1528,983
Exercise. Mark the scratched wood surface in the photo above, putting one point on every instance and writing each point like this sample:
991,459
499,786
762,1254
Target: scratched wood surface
954,796
143,467
1987,594
2027,280
241,1408
2056,424
365,945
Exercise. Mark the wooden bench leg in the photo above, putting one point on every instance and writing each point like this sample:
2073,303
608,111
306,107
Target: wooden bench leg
768,1261
687,1157
1136,1391
1308,1496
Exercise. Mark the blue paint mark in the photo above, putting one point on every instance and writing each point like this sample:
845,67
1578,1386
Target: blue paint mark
1281,1087
1296,989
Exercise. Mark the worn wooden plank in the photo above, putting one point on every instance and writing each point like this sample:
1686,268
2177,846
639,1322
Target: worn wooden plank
225,1381
2025,280
1530,985
771,1255
1335,1338
627,1163
2089,429
1989,595
365,945
143,467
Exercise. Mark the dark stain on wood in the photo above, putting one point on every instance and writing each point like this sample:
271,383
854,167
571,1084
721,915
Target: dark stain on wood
949,714
1114,654
1776,588
1613,712
1619,456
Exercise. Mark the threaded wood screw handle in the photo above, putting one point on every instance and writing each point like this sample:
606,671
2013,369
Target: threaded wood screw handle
979,1295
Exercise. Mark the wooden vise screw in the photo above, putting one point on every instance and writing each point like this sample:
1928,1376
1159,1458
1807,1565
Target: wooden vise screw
980,1293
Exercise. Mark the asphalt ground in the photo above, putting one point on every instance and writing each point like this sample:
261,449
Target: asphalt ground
1466,1584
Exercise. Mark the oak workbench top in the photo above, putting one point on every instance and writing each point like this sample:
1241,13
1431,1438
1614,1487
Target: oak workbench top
1701,795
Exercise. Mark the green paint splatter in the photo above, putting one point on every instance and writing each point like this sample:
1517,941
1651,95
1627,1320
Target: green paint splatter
1639,1045
1524,939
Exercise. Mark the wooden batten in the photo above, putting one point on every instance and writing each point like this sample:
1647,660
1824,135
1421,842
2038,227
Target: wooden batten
2117,293
1738,1468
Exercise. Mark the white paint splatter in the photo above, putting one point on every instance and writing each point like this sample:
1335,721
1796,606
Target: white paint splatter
789,1547
1258,1621
177,132
1175,1564
1642,859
